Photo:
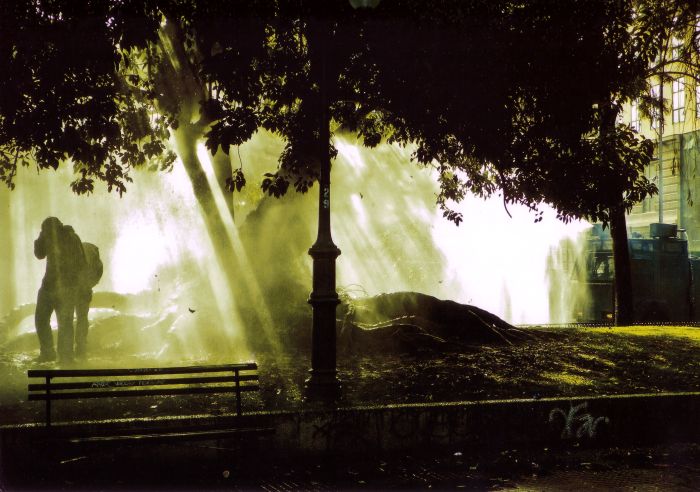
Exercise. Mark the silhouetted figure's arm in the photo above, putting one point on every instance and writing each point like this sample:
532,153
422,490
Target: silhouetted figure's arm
40,247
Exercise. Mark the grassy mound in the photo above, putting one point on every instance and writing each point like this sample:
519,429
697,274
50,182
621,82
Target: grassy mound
550,362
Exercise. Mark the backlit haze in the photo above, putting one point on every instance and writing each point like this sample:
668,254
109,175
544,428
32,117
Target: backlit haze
154,243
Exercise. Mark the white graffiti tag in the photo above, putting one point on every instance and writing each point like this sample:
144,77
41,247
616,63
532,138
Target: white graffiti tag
586,422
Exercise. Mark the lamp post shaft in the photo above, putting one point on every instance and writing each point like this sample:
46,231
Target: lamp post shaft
323,381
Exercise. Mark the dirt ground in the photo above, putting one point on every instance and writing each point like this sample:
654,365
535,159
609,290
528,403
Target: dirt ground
554,362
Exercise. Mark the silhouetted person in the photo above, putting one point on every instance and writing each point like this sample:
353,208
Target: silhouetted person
91,275
65,289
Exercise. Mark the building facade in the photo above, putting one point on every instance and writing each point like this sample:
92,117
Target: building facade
678,176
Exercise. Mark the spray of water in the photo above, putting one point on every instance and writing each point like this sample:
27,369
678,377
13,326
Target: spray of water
163,294
500,263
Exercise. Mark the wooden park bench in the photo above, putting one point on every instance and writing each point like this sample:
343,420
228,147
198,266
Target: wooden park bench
66,384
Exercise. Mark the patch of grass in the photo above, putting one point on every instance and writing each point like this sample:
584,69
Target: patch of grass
554,362
567,379
690,333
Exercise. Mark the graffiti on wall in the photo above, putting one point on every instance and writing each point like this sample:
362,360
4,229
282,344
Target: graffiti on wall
428,426
350,430
376,430
576,423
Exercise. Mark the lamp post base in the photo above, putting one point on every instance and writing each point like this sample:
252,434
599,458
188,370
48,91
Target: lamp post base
322,386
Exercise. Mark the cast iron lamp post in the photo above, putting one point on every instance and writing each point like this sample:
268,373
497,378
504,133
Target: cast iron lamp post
323,382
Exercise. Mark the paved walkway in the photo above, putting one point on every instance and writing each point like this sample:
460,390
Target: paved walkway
655,478
673,468
669,468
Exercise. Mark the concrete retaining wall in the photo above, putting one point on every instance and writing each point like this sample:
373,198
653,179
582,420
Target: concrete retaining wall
596,421
615,420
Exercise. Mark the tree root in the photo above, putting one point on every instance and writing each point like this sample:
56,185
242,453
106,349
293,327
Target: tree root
413,321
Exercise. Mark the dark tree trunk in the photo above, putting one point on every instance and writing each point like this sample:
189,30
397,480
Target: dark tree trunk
185,88
186,139
229,259
221,162
624,298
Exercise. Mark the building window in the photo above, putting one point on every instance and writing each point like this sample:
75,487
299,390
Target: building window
675,48
678,100
634,115
655,95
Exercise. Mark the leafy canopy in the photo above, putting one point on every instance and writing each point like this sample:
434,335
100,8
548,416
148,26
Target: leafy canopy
65,93
494,94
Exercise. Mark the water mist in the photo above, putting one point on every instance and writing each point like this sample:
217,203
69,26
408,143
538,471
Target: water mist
164,296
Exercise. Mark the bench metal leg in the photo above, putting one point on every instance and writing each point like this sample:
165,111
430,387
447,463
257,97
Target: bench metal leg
48,401
238,394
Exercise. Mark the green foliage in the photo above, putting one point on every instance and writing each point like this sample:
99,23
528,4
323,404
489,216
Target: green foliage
497,95
236,182
274,184
546,82
232,127
66,94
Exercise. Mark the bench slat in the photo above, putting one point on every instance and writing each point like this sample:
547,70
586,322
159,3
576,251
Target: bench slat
93,385
56,373
140,382
152,392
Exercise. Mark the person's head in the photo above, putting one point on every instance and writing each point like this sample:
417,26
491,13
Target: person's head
51,224
50,231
